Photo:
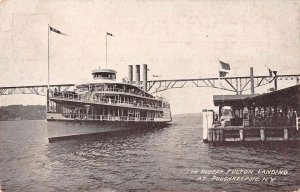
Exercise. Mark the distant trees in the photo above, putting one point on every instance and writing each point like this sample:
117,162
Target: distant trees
20,112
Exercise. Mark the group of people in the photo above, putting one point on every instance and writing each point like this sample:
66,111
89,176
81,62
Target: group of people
275,119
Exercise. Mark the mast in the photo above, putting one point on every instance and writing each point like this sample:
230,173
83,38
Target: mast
219,76
48,83
106,50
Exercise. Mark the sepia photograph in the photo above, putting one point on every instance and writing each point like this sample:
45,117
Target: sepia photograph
150,95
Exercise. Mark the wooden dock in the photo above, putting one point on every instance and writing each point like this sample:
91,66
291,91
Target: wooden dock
241,134
273,116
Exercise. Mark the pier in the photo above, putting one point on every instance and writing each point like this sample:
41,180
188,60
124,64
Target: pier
272,116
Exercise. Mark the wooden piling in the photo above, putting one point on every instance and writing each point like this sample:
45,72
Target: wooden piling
286,134
241,135
218,135
221,135
262,135
214,135
210,135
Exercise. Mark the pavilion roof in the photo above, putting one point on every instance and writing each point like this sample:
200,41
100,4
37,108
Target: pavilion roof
287,96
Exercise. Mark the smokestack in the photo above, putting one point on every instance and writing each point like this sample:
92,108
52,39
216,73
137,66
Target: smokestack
130,73
252,80
145,77
137,74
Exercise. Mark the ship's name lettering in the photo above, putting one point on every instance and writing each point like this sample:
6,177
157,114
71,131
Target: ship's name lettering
239,171
204,171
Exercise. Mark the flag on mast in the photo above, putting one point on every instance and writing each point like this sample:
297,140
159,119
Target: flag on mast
57,31
222,73
109,34
270,72
225,67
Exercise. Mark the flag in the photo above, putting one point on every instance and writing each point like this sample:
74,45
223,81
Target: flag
56,31
225,66
223,73
107,33
155,76
270,72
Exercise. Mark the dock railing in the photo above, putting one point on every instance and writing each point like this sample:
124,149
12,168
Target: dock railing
284,131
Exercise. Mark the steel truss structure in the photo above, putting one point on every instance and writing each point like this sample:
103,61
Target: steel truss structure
35,89
233,84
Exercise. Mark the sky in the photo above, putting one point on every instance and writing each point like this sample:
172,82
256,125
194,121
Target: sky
177,39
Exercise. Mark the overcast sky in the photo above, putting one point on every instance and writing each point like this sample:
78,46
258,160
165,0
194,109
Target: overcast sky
177,39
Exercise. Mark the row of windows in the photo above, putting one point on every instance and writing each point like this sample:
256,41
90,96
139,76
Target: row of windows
105,75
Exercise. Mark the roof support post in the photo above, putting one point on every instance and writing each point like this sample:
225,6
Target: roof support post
252,81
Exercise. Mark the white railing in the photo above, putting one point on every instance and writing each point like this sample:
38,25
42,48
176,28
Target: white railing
87,98
297,122
107,118
121,91
143,94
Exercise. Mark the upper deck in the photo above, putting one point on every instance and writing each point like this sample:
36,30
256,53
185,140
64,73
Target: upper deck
104,90
104,81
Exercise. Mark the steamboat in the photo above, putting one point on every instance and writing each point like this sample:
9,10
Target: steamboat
105,105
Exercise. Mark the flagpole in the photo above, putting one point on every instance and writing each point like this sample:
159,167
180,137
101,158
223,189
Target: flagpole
106,51
219,76
48,83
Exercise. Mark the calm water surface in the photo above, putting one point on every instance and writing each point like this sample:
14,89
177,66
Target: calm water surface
153,160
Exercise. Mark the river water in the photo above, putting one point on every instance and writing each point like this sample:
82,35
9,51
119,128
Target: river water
168,159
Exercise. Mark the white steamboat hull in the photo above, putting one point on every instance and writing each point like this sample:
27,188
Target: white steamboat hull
59,129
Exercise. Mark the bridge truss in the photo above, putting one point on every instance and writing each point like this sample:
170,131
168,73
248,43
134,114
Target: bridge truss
233,84
237,85
35,89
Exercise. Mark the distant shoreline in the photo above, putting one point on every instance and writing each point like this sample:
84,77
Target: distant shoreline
21,112
24,120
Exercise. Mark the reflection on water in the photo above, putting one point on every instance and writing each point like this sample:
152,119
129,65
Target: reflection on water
137,160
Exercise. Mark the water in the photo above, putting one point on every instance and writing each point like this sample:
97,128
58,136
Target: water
155,160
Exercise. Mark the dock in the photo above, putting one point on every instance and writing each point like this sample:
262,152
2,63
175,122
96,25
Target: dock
272,116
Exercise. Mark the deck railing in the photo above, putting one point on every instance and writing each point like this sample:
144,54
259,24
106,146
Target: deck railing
87,98
119,90
107,117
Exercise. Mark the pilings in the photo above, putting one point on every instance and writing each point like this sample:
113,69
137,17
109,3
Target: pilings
242,134
262,134
208,118
286,134
215,135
